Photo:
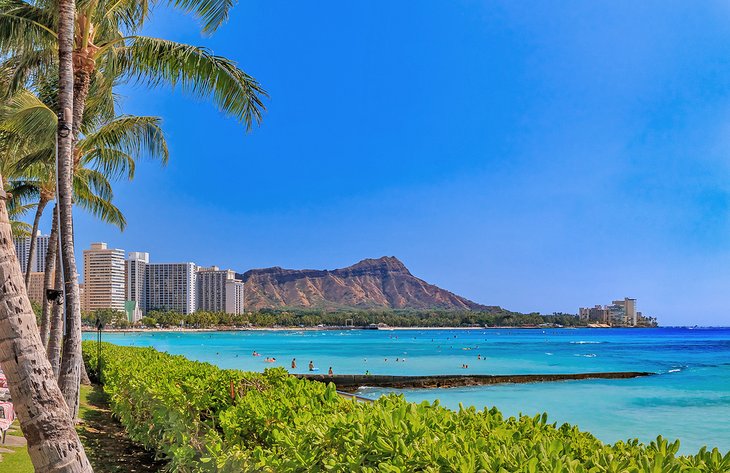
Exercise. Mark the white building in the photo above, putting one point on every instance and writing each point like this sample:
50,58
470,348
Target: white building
22,249
135,278
219,291
103,278
170,286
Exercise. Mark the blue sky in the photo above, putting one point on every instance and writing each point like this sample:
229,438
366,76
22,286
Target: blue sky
537,156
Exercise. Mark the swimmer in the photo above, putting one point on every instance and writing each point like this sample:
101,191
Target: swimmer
330,373
311,366
294,363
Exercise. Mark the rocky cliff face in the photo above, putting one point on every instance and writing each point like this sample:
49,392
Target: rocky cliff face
372,283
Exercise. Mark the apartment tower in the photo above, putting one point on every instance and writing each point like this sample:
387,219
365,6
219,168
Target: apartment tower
170,286
103,278
219,291
22,249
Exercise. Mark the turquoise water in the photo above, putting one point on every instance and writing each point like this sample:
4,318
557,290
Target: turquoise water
688,398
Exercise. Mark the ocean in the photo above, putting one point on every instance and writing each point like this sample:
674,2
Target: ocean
687,399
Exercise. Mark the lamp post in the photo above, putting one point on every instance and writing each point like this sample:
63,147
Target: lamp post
99,328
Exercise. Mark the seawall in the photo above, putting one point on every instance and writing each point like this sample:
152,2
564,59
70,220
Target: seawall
351,382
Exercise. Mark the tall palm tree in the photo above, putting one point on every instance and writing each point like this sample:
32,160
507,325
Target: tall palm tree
53,444
107,44
108,149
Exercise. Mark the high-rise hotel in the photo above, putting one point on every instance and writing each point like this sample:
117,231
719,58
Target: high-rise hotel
219,290
22,249
181,287
103,278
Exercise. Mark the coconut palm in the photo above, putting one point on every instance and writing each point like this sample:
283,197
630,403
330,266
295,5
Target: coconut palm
53,444
107,44
107,150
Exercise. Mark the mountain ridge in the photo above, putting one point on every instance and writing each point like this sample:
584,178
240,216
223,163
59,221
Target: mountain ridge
372,283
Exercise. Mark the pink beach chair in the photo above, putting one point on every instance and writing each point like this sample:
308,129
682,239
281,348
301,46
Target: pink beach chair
7,416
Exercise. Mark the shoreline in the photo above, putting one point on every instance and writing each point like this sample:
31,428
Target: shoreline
334,328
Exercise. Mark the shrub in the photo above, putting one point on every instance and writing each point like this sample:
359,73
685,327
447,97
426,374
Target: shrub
204,419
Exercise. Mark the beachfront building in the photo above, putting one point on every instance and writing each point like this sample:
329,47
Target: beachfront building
103,278
170,286
219,290
135,276
619,312
596,314
22,250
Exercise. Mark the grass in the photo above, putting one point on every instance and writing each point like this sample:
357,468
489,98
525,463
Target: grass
105,441
18,462
106,444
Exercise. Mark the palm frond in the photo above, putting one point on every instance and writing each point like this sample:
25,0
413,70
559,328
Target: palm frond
195,70
24,26
99,207
20,229
90,181
211,13
26,115
22,69
124,137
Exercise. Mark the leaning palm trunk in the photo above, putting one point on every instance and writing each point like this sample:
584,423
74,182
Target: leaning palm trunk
53,444
33,239
56,331
48,279
70,376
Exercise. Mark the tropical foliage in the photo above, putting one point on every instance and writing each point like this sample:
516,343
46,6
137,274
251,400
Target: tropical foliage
359,318
205,419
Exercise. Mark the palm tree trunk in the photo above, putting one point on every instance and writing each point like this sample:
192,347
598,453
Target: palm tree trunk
70,376
82,82
48,282
56,332
53,444
33,239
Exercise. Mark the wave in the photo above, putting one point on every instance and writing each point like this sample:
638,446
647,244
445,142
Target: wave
584,342
587,355
674,370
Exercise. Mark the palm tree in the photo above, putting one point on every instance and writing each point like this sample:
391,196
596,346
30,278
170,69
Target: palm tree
53,444
107,150
107,45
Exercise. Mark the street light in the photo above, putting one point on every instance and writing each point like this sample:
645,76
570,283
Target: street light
99,327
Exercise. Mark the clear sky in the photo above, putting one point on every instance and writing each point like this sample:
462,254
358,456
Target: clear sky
538,156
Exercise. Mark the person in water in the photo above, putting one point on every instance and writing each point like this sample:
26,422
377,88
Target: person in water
294,363
255,353
311,366
330,373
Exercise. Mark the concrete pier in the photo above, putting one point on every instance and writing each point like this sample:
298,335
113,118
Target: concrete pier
351,382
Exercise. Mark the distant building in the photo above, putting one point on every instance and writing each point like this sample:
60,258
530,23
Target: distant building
35,288
22,249
103,278
170,286
219,291
619,312
135,276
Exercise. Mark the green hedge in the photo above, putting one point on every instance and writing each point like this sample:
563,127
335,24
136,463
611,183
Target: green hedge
185,412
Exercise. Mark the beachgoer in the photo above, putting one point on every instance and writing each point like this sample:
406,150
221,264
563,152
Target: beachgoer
294,363
330,373
311,366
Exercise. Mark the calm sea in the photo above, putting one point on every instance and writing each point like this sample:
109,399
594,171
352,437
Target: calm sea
688,398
